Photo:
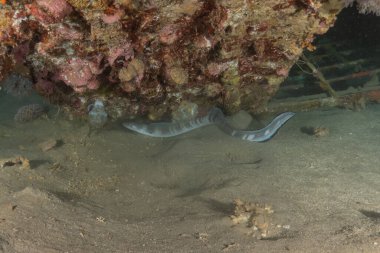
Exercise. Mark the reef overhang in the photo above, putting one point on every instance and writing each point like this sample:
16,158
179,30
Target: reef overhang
159,58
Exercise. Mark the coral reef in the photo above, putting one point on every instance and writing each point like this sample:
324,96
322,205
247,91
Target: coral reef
152,57
29,112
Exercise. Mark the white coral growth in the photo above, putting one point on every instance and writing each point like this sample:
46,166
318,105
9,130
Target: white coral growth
366,6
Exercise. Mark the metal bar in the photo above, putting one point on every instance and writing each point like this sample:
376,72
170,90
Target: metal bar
343,99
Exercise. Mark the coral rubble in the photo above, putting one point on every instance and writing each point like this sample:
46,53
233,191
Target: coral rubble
148,57
255,217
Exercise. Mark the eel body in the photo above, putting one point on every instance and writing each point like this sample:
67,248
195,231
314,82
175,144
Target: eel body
215,116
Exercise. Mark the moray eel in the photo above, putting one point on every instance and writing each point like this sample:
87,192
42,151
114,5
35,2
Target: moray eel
215,116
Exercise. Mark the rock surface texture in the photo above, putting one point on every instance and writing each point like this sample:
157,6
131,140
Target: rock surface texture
159,58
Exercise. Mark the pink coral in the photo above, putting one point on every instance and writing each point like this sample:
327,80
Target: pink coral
63,31
60,34
57,8
39,14
113,16
125,51
21,51
49,11
170,34
80,74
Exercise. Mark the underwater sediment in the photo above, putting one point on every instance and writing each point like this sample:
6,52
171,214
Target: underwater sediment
158,58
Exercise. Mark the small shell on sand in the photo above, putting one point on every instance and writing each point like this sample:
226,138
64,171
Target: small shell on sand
29,112
48,145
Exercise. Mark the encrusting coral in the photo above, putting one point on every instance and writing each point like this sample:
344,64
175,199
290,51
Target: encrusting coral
148,57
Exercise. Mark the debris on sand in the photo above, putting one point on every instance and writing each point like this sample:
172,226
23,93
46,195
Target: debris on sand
254,217
48,144
15,161
316,131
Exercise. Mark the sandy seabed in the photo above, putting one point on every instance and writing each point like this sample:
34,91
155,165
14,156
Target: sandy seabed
115,191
